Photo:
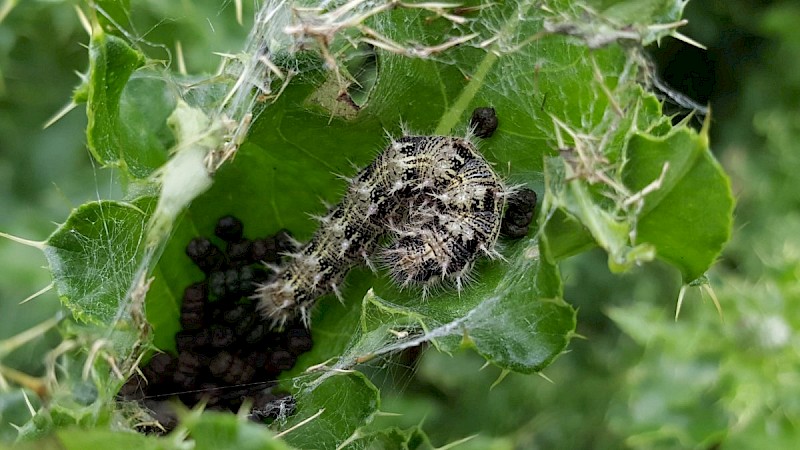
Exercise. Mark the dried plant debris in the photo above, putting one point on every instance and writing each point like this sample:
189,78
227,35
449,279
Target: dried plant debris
227,354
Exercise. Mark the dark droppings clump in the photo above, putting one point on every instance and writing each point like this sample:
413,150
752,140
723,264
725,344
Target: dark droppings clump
520,207
484,122
226,353
229,229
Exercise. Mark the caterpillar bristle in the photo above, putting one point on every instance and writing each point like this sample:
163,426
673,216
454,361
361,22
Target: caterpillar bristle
337,292
340,176
323,220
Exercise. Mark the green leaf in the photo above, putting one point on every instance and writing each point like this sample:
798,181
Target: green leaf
394,438
87,379
127,116
95,255
514,315
14,410
79,439
574,196
565,236
522,58
211,430
633,11
289,159
522,329
690,217
510,321
111,12
339,405
512,287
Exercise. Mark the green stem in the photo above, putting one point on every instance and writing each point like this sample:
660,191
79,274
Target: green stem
452,115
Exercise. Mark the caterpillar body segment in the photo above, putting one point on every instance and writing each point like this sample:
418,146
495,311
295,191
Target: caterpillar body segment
426,208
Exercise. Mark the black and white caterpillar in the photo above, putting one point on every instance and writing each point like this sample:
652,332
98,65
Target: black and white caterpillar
426,208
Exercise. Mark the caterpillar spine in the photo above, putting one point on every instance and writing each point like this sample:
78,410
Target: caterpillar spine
434,198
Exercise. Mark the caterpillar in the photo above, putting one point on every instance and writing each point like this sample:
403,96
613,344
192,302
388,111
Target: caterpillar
435,200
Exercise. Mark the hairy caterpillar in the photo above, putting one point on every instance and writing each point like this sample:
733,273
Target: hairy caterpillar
436,199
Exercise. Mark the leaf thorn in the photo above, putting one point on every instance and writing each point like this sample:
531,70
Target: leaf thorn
37,293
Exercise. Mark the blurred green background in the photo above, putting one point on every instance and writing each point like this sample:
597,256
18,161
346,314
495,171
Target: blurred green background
639,379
